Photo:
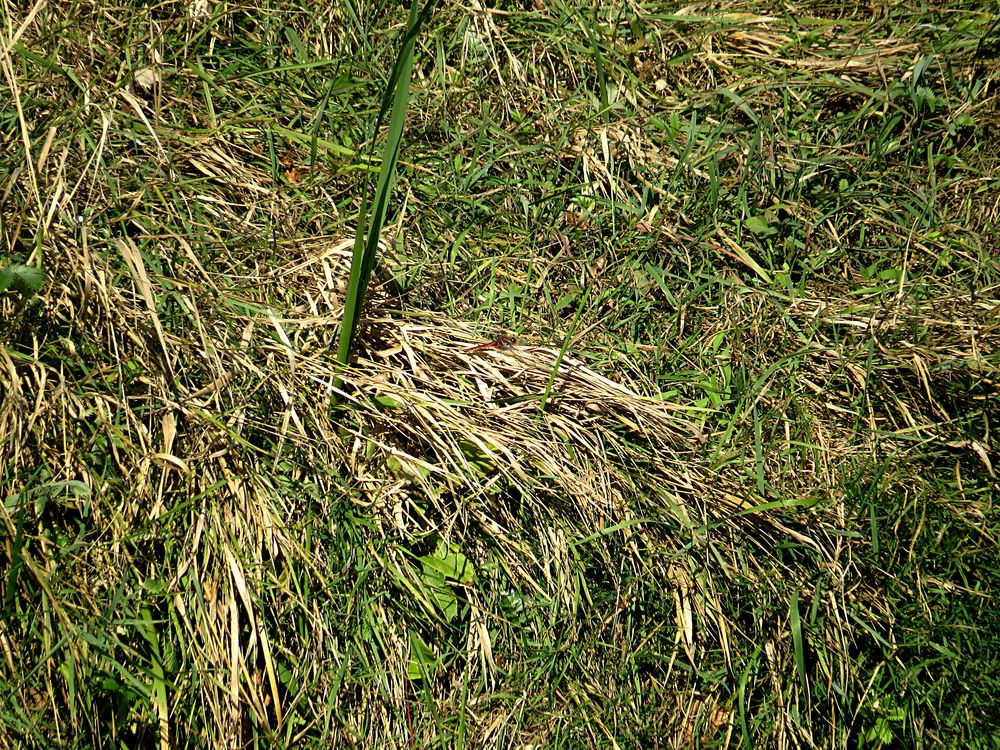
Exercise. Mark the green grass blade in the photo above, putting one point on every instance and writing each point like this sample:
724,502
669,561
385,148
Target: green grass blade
742,695
562,352
370,228
798,643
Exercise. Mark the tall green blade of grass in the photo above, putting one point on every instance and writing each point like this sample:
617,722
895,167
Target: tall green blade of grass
397,92
562,352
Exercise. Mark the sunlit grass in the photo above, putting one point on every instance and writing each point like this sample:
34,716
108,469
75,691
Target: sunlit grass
732,487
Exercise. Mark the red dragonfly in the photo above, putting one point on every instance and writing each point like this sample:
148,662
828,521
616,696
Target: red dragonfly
504,342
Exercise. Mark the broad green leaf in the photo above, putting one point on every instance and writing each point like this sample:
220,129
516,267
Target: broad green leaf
758,225
388,402
423,660
446,600
477,457
449,563
407,468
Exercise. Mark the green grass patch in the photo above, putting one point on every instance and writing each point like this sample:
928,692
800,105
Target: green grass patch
724,477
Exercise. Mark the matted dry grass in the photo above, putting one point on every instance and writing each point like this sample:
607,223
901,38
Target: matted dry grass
432,438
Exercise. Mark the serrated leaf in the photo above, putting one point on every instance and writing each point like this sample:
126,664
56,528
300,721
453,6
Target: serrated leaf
23,279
